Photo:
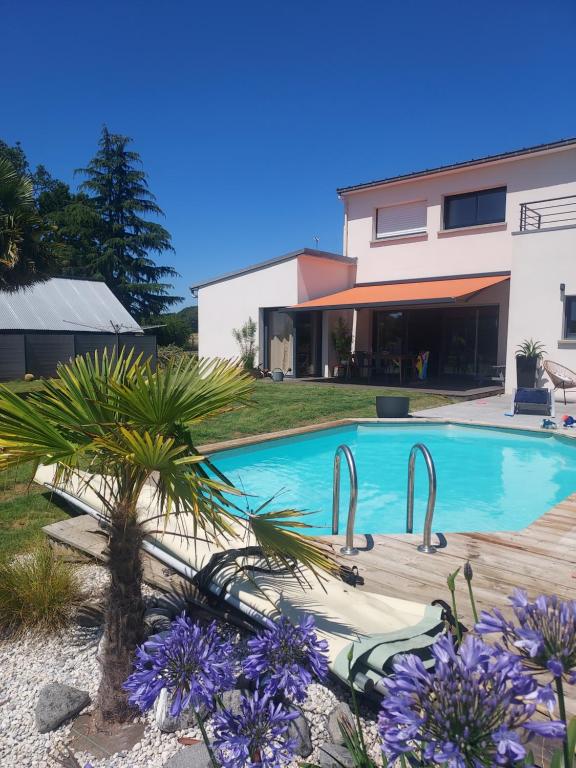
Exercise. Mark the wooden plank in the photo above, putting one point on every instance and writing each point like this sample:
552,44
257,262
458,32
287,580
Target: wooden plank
84,534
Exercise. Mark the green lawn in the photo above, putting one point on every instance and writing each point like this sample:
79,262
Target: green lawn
282,406
25,508
21,386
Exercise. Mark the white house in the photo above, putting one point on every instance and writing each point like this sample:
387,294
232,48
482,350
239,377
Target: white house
464,261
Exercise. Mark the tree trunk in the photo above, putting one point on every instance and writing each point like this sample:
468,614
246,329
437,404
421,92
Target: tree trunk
123,625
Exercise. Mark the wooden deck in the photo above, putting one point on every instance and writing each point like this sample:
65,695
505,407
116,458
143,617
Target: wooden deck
539,558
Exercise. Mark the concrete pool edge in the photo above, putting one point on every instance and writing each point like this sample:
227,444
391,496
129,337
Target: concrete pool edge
265,437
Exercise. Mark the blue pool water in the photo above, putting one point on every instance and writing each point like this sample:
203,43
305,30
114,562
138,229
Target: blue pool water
488,479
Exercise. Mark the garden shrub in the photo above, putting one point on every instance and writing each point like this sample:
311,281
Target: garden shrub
38,591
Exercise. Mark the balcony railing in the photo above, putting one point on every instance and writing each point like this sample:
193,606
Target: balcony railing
545,214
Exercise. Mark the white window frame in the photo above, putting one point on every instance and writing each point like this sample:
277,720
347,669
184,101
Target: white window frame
407,232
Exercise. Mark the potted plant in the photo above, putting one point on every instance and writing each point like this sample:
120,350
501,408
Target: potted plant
342,341
528,353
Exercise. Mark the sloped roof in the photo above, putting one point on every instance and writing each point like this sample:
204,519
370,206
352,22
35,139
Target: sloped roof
549,147
276,260
63,304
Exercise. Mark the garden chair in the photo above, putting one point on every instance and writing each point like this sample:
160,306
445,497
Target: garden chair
560,376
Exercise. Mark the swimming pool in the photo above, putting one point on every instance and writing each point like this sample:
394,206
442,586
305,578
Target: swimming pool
488,479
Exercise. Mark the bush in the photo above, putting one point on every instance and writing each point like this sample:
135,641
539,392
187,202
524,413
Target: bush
246,339
172,353
38,591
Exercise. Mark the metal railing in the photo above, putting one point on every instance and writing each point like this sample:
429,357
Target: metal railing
426,546
544,214
349,548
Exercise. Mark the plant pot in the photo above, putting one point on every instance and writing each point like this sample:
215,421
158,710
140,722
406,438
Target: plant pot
392,407
526,372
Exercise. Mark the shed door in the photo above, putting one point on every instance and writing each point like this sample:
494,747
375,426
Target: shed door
45,350
12,356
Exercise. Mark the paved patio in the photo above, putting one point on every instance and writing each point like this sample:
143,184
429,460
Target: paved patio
493,410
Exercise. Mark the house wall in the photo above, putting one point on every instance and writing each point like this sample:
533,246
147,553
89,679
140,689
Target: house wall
317,277
228,304
541,261
454,252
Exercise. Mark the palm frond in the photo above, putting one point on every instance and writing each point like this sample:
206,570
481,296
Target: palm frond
277,534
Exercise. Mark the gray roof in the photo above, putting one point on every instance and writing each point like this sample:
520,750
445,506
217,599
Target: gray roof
465,164
277,260
63,304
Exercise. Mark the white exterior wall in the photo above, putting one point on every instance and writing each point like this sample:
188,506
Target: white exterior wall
453,252
541,262
228,304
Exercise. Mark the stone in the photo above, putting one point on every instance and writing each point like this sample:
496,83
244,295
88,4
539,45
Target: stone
299,731
334,756
196,756
231,699
340,713
166,722
86,737
157,619
56,703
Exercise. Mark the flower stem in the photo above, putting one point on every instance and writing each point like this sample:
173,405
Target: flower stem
472,601
215,763
355,706
562,708
451,580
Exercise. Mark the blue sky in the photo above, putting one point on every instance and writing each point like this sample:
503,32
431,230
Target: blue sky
249,114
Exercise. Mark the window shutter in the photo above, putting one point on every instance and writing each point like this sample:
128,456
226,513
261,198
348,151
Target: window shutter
404,219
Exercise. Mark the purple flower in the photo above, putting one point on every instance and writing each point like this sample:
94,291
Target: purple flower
285,658
194,664
256,736
473,709
543,635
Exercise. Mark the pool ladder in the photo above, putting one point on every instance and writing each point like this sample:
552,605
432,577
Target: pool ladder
349,549
344,450
427,547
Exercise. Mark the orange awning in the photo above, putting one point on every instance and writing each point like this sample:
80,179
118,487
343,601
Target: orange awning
446,290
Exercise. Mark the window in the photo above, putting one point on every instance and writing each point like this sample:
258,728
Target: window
405,219
488,206
570,317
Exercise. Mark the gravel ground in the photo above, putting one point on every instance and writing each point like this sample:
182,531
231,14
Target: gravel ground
28,663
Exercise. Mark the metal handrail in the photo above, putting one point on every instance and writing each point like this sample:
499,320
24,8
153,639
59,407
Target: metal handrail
426,546
349,548
541,214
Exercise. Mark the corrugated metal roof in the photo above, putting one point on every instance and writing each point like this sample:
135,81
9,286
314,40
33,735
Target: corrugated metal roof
62,304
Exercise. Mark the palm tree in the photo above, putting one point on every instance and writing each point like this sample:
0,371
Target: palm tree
116,418
24,258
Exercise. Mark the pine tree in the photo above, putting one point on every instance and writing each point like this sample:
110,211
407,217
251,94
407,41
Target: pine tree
118,191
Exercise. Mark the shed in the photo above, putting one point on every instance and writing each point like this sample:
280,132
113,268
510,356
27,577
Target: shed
55,320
